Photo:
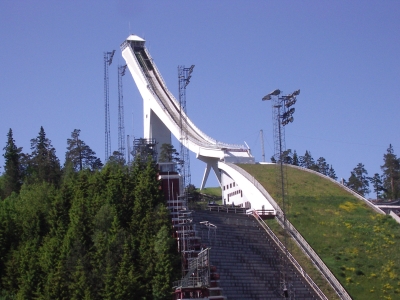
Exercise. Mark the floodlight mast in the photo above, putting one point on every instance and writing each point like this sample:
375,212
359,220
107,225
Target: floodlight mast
282,103
121,115
108,57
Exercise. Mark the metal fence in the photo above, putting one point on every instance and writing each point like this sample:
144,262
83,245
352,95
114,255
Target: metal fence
290,257
298,238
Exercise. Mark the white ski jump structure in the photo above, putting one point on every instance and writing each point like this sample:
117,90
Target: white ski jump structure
163,116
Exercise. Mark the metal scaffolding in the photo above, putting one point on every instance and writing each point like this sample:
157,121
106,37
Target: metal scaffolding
143,148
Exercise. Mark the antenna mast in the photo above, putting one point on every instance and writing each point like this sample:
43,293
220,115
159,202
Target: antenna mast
108,56
121,122
262,145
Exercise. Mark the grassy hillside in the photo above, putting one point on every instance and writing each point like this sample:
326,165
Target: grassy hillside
360,246
212,191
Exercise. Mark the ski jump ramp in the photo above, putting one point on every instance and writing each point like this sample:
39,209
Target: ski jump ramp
163,115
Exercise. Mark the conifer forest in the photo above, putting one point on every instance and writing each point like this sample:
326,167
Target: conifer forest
82,230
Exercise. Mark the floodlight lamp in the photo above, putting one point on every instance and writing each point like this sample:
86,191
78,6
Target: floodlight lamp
286,120
111,57
123,69
290,102
296,93
266,97
186,83
275,93
288,113
191,69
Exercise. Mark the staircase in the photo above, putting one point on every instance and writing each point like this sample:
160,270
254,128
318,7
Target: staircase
247,260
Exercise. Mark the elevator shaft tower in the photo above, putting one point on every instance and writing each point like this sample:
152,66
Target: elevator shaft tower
184,75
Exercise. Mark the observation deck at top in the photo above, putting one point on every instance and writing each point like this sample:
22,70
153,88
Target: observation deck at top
163,114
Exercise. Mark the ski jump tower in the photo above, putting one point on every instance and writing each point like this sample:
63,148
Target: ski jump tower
162,116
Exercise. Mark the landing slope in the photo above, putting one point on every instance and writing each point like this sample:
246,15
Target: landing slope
360,246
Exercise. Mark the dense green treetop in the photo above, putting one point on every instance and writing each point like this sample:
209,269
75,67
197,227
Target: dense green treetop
168,153
376,182
44,165
90,234
358,180
391,173
307,161
12,166
80,155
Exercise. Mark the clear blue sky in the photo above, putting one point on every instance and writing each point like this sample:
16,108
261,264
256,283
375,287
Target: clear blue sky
343,55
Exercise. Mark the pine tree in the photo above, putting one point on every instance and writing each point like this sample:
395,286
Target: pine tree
376,182
358,180
56,286
12,168
45,164
322,166
80,155
147,192
117,159
125,283
287,156
168,153
332,173
162,280
391,173
80,287
295,160
307,161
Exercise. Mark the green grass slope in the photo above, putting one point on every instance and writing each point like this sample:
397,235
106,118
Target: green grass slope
212,191
360,246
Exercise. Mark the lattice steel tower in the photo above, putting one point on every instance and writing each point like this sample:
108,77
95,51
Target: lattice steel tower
108,56
121,122
184,75
282,115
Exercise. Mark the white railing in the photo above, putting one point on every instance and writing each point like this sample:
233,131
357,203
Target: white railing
289,256
394,216
304,246
227,209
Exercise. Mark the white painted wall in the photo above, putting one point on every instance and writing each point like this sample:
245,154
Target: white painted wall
250,192
232,194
